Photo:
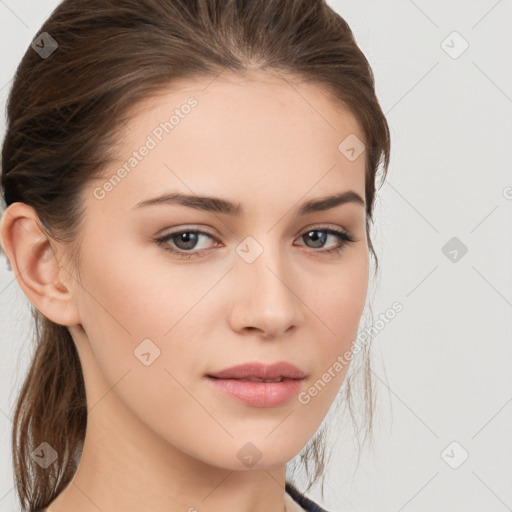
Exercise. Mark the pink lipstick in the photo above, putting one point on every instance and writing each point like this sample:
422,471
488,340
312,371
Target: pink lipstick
258,384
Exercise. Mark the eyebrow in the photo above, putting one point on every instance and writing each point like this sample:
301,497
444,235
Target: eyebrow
218,205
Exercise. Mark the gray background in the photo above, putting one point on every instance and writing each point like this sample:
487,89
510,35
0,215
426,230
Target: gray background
442,366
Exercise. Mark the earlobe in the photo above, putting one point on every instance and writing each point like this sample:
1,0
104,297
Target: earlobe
30,252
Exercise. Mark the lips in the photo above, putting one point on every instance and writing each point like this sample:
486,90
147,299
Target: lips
258,372
258,384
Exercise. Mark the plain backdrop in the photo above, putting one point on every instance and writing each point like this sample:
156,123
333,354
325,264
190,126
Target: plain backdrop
443,234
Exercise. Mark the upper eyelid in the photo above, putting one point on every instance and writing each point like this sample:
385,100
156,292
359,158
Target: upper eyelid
318,227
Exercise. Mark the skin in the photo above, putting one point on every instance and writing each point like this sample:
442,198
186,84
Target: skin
159,438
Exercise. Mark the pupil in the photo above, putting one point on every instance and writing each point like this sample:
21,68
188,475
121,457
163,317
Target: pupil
318,240
189,240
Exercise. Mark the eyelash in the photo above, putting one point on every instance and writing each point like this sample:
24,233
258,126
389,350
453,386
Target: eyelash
163,242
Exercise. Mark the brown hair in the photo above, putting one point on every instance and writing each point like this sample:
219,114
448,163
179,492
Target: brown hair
62,115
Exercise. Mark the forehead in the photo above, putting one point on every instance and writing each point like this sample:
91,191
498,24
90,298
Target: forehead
234,136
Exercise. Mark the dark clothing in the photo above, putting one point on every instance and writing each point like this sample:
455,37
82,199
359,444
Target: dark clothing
304,502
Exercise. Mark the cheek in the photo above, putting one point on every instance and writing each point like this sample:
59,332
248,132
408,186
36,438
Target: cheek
127,302
141,333
339,304
341,299
132,291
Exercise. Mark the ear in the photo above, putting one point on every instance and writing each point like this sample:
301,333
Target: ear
30,251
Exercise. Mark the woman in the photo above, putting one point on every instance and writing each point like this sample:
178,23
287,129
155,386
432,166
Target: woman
189,186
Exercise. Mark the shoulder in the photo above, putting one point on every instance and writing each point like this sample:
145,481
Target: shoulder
306,504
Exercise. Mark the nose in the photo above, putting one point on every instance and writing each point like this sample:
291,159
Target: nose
265,298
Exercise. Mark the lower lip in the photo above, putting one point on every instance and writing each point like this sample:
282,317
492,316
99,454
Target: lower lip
259,394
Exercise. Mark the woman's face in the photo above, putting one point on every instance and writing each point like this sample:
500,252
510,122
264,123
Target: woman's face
255,285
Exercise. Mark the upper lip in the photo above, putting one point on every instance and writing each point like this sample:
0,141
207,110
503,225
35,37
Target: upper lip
260,371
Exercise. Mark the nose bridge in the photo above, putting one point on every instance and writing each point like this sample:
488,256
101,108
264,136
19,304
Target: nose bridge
264,298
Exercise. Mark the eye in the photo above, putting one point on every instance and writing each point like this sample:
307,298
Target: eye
319,235
186,240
